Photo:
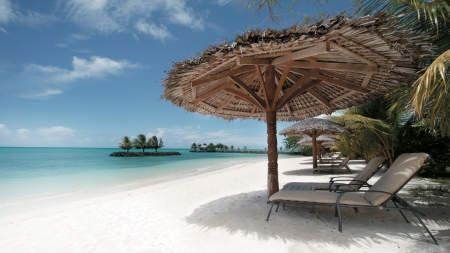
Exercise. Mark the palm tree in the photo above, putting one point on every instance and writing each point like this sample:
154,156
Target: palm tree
194,146
140,142
232,147
375,126
153,143
126,144
430,93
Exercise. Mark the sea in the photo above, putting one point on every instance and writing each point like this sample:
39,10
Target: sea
55,175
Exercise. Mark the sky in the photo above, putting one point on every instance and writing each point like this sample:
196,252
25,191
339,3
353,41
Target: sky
86,73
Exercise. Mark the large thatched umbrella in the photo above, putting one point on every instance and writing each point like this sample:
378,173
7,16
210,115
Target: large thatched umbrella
314,128
296,73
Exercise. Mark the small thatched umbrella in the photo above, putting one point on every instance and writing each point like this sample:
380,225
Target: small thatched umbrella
314,128
323,141
297,73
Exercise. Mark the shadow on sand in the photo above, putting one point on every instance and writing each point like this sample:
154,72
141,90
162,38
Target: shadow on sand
246,213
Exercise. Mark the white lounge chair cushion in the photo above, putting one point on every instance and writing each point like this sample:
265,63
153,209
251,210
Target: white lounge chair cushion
349,198
404,167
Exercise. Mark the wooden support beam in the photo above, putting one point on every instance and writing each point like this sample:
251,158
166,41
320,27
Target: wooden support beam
319,97
225,103
358,68
338,82
249,91
244,97
215,77
251,61
307,109
292,93
286,71
261,83
343,96
304,79
321,48
269,85
366,80
347,51
213,91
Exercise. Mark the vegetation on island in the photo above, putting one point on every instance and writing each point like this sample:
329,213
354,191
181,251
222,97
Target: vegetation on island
213,148
141,142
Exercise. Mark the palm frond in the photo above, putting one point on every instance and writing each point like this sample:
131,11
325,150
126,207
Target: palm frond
431,94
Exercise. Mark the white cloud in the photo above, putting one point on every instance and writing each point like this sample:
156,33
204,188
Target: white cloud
109,16
3,30
183,137
57,133
4,131
6,12
153,30
96,67
53,80
44,136
10,13
223,2
23,133
42,94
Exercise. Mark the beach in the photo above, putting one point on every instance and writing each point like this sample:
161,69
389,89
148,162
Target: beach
222,211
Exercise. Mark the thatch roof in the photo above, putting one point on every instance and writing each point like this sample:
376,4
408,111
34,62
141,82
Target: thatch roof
325,141
307,141
330,65
324,126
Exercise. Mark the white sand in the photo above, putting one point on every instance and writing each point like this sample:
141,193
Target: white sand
221,211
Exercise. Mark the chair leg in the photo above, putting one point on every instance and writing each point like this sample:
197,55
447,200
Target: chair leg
338,209
404,217
278,205
273,203
423,224
339,217
356,210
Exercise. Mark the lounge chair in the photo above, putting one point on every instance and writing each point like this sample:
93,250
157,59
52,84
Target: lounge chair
344,183
331,159
378,196
333,167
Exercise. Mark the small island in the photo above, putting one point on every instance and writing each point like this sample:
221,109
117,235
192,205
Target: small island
141,142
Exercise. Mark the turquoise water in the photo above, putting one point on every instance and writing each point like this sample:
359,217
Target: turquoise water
40,172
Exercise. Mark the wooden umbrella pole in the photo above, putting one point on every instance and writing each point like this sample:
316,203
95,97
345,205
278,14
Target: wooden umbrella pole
272,154
314,150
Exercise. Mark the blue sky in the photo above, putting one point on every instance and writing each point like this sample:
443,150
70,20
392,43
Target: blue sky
85,73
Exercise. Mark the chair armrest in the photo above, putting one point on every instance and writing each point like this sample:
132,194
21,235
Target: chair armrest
349,178
336,187
344,191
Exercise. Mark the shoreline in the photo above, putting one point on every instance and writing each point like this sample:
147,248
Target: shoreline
33,203
224,210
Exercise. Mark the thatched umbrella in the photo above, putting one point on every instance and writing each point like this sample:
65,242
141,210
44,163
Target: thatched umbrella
296,73
323,141
314,128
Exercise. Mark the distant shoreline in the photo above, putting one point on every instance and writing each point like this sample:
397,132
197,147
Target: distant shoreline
248,152
134,154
